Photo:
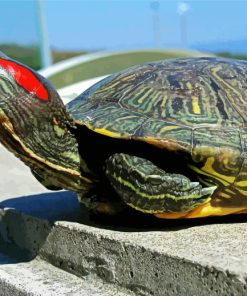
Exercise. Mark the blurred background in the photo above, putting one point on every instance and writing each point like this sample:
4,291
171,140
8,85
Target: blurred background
109,35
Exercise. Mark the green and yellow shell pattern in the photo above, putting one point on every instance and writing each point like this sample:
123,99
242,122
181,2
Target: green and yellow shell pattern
194,108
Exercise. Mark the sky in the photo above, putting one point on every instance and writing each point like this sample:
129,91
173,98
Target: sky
124,24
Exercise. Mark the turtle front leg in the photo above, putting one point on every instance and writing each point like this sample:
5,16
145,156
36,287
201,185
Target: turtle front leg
149,189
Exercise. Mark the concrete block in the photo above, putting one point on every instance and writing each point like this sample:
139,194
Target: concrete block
144,255
19,276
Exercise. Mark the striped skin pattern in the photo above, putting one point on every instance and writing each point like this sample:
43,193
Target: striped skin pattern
157,190
198,106
34,126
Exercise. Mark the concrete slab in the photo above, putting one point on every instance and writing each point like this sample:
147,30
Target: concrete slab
37,277
146,256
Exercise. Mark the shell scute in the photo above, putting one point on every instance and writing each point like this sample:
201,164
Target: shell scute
170,99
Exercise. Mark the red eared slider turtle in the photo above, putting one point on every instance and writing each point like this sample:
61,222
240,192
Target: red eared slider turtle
169,137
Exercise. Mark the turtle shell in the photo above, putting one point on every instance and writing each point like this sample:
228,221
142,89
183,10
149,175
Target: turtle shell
172,103
197,105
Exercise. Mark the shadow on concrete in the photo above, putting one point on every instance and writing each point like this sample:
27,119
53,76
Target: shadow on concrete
27,222
63,205
12,254
52,206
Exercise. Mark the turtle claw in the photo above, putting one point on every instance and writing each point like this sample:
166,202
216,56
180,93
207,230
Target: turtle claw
208,191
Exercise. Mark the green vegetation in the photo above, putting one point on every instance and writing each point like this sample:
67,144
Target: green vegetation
58,56
111,64
30,55
26,55
232,55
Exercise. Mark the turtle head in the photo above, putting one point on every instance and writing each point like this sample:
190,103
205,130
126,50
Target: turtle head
35,126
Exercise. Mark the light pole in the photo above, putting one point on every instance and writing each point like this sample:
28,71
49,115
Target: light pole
183,7
154,5
44,45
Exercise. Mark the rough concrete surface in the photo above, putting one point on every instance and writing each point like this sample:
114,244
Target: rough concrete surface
182,259
188,262
37,277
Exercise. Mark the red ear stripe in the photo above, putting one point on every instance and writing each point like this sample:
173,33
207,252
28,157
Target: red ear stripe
25,78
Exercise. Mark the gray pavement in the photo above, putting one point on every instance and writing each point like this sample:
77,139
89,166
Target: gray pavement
16,178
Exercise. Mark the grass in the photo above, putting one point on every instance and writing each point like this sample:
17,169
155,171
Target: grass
26,55
111,64
29,55
58,56
232,55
